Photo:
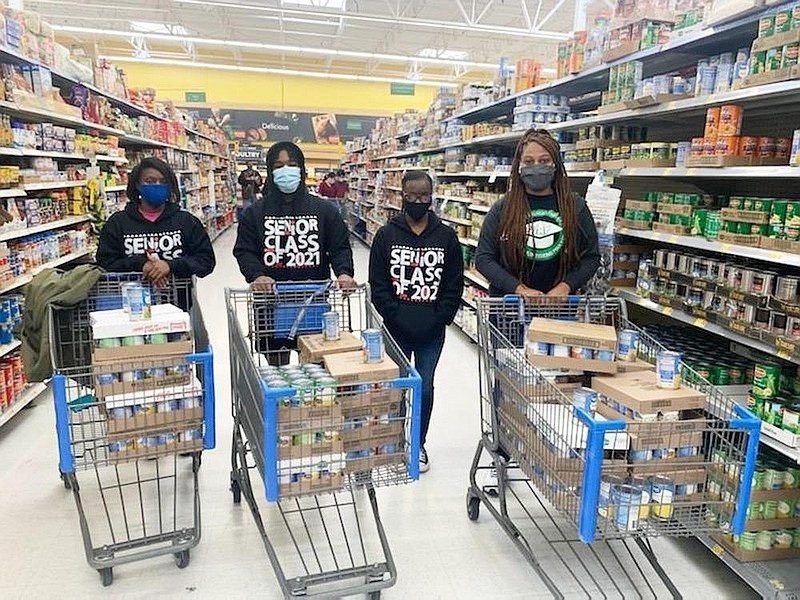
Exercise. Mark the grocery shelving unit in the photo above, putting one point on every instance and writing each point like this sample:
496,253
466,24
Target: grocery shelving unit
773,105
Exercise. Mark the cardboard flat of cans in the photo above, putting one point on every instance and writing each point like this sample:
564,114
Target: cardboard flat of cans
349,368
166,318
314,348
639,391
571,333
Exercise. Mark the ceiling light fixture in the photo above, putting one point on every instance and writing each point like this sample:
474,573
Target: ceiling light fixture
290,72
355,16
274,47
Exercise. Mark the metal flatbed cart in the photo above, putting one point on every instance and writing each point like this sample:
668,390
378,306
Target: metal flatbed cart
321,445
131,429
571,493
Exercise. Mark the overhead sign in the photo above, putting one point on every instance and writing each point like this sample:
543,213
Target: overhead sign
402,89
195,96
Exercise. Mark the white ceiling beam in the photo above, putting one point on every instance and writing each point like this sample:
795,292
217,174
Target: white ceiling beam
538,13
281,48
473,11
526,14
375,18
464,14
484,11
552,12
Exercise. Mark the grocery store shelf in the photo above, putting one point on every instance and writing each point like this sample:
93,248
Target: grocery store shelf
393,188
471,337
787,451
700,243
28,395
581,174
468,242
393,207
117,188
773,579
41,115
681,52
7,349
476,174
28,277
61,223
461,199
361,239
479,208
469,302
477,279
678,315
13,193
456,220
53,185
715,173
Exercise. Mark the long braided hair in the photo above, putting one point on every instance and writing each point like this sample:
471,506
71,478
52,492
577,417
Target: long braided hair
516,211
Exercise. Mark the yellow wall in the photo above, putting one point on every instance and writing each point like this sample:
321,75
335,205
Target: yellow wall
233,89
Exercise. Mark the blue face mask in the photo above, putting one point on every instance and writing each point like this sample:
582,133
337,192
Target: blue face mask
287,179
155,194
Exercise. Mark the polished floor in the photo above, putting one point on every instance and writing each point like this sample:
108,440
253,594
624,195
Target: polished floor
440,554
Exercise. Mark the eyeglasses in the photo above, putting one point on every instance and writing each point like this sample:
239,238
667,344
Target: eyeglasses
426,199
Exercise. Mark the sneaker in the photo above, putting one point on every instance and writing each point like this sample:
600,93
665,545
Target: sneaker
423,461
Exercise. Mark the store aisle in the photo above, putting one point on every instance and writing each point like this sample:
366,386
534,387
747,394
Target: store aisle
439,552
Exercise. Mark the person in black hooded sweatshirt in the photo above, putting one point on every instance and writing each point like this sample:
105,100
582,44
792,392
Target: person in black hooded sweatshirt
416,272
152,235
290,235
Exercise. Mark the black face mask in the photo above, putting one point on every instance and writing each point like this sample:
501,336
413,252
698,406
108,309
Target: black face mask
538,177
416,210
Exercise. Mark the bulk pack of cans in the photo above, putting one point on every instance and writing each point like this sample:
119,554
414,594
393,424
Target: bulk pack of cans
776,48
540,109
311,383
630,502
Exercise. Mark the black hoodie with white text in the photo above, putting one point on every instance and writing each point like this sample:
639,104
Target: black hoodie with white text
176,236
416,280
293,240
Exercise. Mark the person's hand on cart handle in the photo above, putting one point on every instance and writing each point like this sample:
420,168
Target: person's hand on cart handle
562,289
346,282
156,270
262,283
526,292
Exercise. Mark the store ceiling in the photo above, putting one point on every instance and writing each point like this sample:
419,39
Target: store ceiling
423,40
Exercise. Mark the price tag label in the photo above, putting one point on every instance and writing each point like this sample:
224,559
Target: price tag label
784,355
718,550
673,239
725,248
495,173
700,322
777,584
667,310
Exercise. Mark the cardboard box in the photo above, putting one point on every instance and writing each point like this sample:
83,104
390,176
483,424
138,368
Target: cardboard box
313,348
745,216
144,452
739,239
152,396
131,387
308,485
572,333
310,451
790,246
622,222
304,418
374,404
572,364
179,420
684,210
754,555
691,423
673,229
638,391
634,367
145,351
349,368
166,318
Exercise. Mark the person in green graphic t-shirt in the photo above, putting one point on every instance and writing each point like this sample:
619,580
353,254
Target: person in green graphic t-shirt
540,238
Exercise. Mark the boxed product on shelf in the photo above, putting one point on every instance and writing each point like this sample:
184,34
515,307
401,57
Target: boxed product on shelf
314,347
558,344
626,265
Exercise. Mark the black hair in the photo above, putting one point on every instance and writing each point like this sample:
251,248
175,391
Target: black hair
340,173
330,175
295,154
151,162
416,176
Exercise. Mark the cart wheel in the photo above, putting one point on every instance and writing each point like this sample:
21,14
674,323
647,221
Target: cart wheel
473,507
65,479
182,559
375,595
236,490
197,460
107,575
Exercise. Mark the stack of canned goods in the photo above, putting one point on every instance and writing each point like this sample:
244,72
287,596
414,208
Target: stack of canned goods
704,356
310,384
630,502
156,442
783,217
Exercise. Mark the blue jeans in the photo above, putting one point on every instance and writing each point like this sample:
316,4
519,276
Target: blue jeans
425,358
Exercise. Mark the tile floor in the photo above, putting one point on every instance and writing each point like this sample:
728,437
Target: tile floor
440,554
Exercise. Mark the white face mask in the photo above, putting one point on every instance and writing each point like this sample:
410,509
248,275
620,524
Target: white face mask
287,179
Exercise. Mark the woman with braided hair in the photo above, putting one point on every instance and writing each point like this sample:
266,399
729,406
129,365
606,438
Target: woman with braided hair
540,239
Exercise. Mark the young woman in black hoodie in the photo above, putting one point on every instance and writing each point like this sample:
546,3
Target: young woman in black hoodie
153,235
416,274
290,235
540,239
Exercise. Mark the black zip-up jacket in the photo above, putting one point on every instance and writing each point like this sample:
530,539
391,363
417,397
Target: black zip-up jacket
177,237
543,250
297,239
416,280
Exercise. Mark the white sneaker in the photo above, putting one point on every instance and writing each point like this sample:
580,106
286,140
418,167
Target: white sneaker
424,466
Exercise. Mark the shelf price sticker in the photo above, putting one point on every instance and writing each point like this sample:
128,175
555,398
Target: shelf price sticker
700,322
777,584
718,550
785,347
497,171
725,248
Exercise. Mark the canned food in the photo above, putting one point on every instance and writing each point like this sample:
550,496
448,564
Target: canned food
774,59
730,121
766,147
539,348
627,501
373,345
766,380
763,283
713,116
607,483
330,325
661,494
581,353
627,345
668,369
779,323
766,26
748,146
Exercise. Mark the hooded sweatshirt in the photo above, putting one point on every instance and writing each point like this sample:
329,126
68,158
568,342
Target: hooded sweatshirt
416,280
545,242
176,236
297,238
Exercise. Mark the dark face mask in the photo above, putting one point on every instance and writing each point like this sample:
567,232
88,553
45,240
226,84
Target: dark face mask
416,210
538,177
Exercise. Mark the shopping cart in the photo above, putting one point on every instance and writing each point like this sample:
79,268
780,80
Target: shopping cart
567,476
319,446
125,424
